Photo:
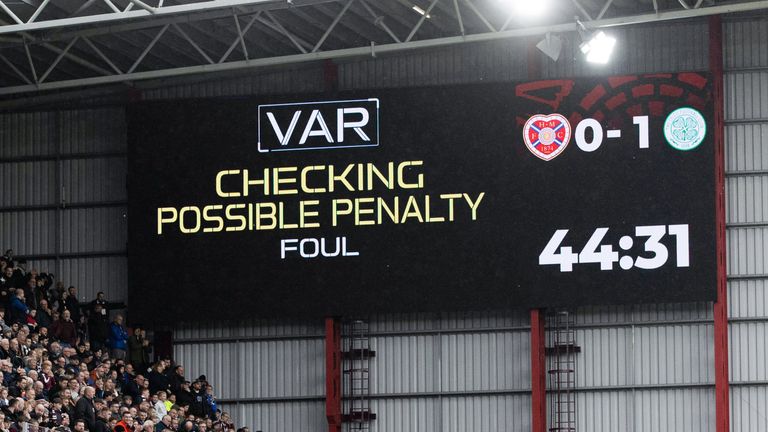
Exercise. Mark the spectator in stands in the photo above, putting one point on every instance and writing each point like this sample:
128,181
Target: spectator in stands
157,379
18,307
98,327
44,314
177,378
72,304
100,300
118,338
29,292
64,330
49,379
138,347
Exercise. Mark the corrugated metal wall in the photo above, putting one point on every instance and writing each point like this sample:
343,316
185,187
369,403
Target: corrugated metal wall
746,115
643,368
62,196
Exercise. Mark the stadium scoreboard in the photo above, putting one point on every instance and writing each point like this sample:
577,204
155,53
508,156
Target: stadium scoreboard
546,193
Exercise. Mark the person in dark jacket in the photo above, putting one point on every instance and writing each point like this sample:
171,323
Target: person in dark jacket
44,314
176,378
71,303
118,338
85,409
184,395
197,406
138,348
157,379
64,329
98,328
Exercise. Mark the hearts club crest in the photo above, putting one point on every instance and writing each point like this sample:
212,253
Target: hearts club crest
546,136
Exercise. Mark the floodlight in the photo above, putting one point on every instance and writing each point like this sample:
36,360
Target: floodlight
551,45
598,47
421,11
526,9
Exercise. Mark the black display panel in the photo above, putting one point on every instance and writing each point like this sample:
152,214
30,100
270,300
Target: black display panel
511,195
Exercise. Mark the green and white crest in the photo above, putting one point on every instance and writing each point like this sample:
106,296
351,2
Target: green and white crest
685,129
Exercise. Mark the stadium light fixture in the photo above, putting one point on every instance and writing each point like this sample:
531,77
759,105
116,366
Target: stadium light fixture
421,11
526,9
551,45
598,47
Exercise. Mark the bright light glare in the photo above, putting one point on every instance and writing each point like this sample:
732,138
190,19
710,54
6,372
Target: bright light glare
421,11
526,8
599,48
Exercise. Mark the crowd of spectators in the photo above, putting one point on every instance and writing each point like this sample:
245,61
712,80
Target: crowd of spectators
65,366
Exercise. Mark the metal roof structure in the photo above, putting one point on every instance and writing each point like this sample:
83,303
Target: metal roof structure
56,44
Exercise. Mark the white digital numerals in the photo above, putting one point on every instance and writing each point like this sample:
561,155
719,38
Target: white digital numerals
655,253
597,132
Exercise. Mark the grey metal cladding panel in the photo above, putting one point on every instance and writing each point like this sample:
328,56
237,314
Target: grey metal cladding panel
304,80
645,355
248,329
639,49
603,411
748,351
98,229
261,369
26,134
746,147
746,199
282,368
748,408
404,322
28,233
605,359
492,413
217,361
467,63
746,249
746,43
405,364
93,131
643,313
304,416
748,298
93,274
94,180
406,415
746,95
680,354
484,361
27,183
482,413
678,410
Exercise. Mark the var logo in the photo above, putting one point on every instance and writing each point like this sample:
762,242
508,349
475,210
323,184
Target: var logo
319,125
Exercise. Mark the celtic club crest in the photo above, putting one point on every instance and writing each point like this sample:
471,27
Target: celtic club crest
685,129
546,136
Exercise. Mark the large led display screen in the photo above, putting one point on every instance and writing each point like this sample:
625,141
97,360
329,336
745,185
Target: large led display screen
509,195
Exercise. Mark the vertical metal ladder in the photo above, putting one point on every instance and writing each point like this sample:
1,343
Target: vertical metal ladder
561,350
356,358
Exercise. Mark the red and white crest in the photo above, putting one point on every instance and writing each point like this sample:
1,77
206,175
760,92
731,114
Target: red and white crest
546,136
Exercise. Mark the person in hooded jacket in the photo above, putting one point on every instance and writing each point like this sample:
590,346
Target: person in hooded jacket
118,338
18,307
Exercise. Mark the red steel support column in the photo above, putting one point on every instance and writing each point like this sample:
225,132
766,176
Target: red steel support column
538,359
722,403
538,373
333,374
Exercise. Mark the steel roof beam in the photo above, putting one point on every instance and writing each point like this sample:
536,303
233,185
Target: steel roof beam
164,11
364,51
